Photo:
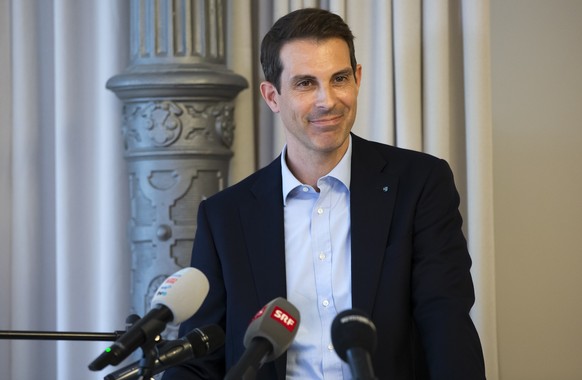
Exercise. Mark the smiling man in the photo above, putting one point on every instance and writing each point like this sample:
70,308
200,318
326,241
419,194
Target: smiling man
335,223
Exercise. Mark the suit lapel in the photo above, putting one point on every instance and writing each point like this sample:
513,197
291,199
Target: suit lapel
372,198
262,220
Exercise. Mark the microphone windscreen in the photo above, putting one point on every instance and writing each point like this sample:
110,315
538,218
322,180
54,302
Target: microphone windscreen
183,293
352,329
278,322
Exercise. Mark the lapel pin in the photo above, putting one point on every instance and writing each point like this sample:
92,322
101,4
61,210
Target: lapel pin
385,189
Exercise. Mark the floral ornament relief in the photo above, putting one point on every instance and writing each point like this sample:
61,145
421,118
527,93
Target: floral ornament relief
128,131
162,121
224,123
211,121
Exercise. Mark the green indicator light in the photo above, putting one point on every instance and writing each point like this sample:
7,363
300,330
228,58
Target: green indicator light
108,349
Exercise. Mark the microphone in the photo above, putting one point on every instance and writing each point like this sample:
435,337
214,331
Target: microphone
176,300
195,344
353,336
130,320
269,334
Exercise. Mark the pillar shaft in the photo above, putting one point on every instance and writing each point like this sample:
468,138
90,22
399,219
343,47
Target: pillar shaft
178,128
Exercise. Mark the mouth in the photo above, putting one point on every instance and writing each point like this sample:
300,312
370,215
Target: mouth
325,121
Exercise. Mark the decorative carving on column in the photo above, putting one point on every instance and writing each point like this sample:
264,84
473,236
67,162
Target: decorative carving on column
178,127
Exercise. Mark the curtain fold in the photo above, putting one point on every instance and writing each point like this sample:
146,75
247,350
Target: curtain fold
374,51
5,176
479,140
91,183
436,78
240,55
64,183
407,26
32,235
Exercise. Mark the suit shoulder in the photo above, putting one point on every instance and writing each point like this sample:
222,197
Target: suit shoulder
243,188
401,157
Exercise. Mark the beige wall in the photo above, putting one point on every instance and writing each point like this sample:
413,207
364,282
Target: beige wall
537,115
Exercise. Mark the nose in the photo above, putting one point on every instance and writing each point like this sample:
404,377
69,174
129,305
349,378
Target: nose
326,97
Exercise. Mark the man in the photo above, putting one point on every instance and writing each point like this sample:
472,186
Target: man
336,222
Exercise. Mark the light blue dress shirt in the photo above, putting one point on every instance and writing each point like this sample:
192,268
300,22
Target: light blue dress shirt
318,267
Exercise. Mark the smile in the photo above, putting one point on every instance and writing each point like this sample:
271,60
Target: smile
326,120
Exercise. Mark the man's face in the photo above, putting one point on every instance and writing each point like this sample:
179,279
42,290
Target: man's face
318,98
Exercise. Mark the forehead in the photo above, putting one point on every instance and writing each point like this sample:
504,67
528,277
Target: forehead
313,54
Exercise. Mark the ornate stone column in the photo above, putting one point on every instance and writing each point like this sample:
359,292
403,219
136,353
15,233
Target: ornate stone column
178,129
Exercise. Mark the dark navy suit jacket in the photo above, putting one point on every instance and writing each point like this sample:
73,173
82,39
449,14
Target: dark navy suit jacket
410,266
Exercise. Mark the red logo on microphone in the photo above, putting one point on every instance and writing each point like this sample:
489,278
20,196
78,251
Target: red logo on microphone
283,318
259,313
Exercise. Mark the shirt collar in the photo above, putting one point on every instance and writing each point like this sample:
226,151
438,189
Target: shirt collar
342,172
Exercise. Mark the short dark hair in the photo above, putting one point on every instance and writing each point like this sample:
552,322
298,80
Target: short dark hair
307,23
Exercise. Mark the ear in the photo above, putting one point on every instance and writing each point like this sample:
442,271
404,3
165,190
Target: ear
271,95
358,75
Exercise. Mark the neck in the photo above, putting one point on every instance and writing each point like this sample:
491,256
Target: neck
309,168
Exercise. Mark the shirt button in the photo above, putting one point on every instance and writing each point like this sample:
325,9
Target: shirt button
320,211
325,303
321,256
305,189
330,347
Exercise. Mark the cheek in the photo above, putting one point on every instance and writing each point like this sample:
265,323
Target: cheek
295,108
350,101
349,96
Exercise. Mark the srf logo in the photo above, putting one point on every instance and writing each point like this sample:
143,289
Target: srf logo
283,318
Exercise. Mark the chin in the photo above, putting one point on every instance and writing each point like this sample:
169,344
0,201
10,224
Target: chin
330,145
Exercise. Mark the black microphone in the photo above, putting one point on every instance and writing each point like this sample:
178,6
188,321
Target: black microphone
176,300
131,320
353,336
195,344
269,334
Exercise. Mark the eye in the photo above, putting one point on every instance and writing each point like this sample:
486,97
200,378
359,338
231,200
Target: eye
304,83
341,79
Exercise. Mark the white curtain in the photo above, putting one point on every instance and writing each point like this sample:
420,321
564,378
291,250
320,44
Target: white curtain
64,187
64,252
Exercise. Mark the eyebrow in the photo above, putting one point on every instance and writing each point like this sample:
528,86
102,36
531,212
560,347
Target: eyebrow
347,72
301,77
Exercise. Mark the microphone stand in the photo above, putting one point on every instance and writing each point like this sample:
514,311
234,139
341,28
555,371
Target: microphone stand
70,335
60,335
149,351
146,364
